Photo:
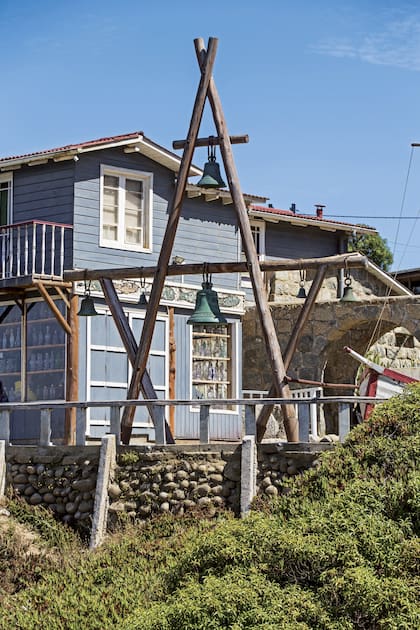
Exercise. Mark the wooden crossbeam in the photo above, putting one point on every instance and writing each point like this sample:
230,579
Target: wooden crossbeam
261,302
174,212
131,348
210,141
338,261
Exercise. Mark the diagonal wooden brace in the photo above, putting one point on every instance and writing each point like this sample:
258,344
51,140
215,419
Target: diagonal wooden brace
130,345
174,212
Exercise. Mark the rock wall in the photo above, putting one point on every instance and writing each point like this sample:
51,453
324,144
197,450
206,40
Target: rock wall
149,480
62,479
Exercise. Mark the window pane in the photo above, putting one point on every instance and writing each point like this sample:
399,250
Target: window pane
212,362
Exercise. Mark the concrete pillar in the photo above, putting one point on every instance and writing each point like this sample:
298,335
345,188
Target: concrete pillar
248,473
107,461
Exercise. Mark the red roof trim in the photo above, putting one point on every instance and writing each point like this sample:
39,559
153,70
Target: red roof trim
81,145
307,217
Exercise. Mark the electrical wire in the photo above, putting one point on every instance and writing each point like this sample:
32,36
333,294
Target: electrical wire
388,292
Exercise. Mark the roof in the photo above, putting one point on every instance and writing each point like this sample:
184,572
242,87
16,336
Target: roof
135,142
213,194
276,215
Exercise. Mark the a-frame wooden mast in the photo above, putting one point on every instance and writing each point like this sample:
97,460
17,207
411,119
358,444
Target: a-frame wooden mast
207,89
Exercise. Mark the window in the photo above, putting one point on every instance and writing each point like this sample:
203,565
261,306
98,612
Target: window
126,202
5,199
212,359
109,371
258,234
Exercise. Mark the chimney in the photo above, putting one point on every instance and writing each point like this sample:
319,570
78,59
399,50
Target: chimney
293,208
319,210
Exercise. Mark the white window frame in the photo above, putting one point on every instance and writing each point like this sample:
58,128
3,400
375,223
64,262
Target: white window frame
260,227
131,314
8,178
122,174
234,360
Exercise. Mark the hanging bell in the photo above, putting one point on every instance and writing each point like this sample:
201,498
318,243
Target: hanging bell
143,299
207,309
87,307
211,175
302,293
348,295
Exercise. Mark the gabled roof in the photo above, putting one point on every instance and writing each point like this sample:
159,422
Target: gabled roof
275,215
135,142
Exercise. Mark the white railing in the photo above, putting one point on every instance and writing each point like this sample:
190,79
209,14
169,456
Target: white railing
345,405
314,410
33,248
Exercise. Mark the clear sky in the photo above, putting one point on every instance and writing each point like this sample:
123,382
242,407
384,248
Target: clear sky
327,90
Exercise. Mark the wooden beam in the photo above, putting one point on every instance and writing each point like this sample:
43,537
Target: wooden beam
130,345
174,212
48,299
264,313
72,369
210,141
350,260
63,296
294,339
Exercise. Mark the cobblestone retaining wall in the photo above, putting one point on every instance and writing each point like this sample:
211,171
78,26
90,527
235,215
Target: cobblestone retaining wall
62,479
149,480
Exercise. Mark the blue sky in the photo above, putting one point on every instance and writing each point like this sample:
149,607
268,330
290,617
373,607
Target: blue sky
328,91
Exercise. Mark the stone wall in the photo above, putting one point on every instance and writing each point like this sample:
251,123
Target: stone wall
62,479
150,480
283,286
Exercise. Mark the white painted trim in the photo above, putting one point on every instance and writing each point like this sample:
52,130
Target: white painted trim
8,177
147,179
234,327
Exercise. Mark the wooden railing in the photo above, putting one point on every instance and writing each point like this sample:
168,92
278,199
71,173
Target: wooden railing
33,248
46,408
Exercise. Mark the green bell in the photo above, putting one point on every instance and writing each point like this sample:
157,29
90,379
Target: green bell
302,293
348,295
211,175
87,307
207,309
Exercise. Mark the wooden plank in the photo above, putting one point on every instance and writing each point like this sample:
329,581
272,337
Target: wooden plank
130,344
210,140
264,313
294,339
338,261
174,212
48,299
72,370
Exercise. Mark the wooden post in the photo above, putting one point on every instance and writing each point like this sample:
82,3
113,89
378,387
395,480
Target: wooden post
127,337
172,367
174,212
267,325
72,370
295,337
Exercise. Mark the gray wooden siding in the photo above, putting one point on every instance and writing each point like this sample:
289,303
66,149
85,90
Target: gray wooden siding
45,193
206,231
291,241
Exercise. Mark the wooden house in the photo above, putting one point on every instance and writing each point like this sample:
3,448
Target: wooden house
103,204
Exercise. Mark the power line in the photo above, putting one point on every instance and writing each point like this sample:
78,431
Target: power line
359,216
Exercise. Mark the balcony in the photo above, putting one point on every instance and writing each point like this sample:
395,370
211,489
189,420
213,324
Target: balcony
33,250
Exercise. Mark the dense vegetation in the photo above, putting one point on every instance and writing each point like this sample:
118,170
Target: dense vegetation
339,549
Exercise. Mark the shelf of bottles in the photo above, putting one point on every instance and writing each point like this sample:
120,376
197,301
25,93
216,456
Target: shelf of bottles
35,371
45,353
11,351
211,362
